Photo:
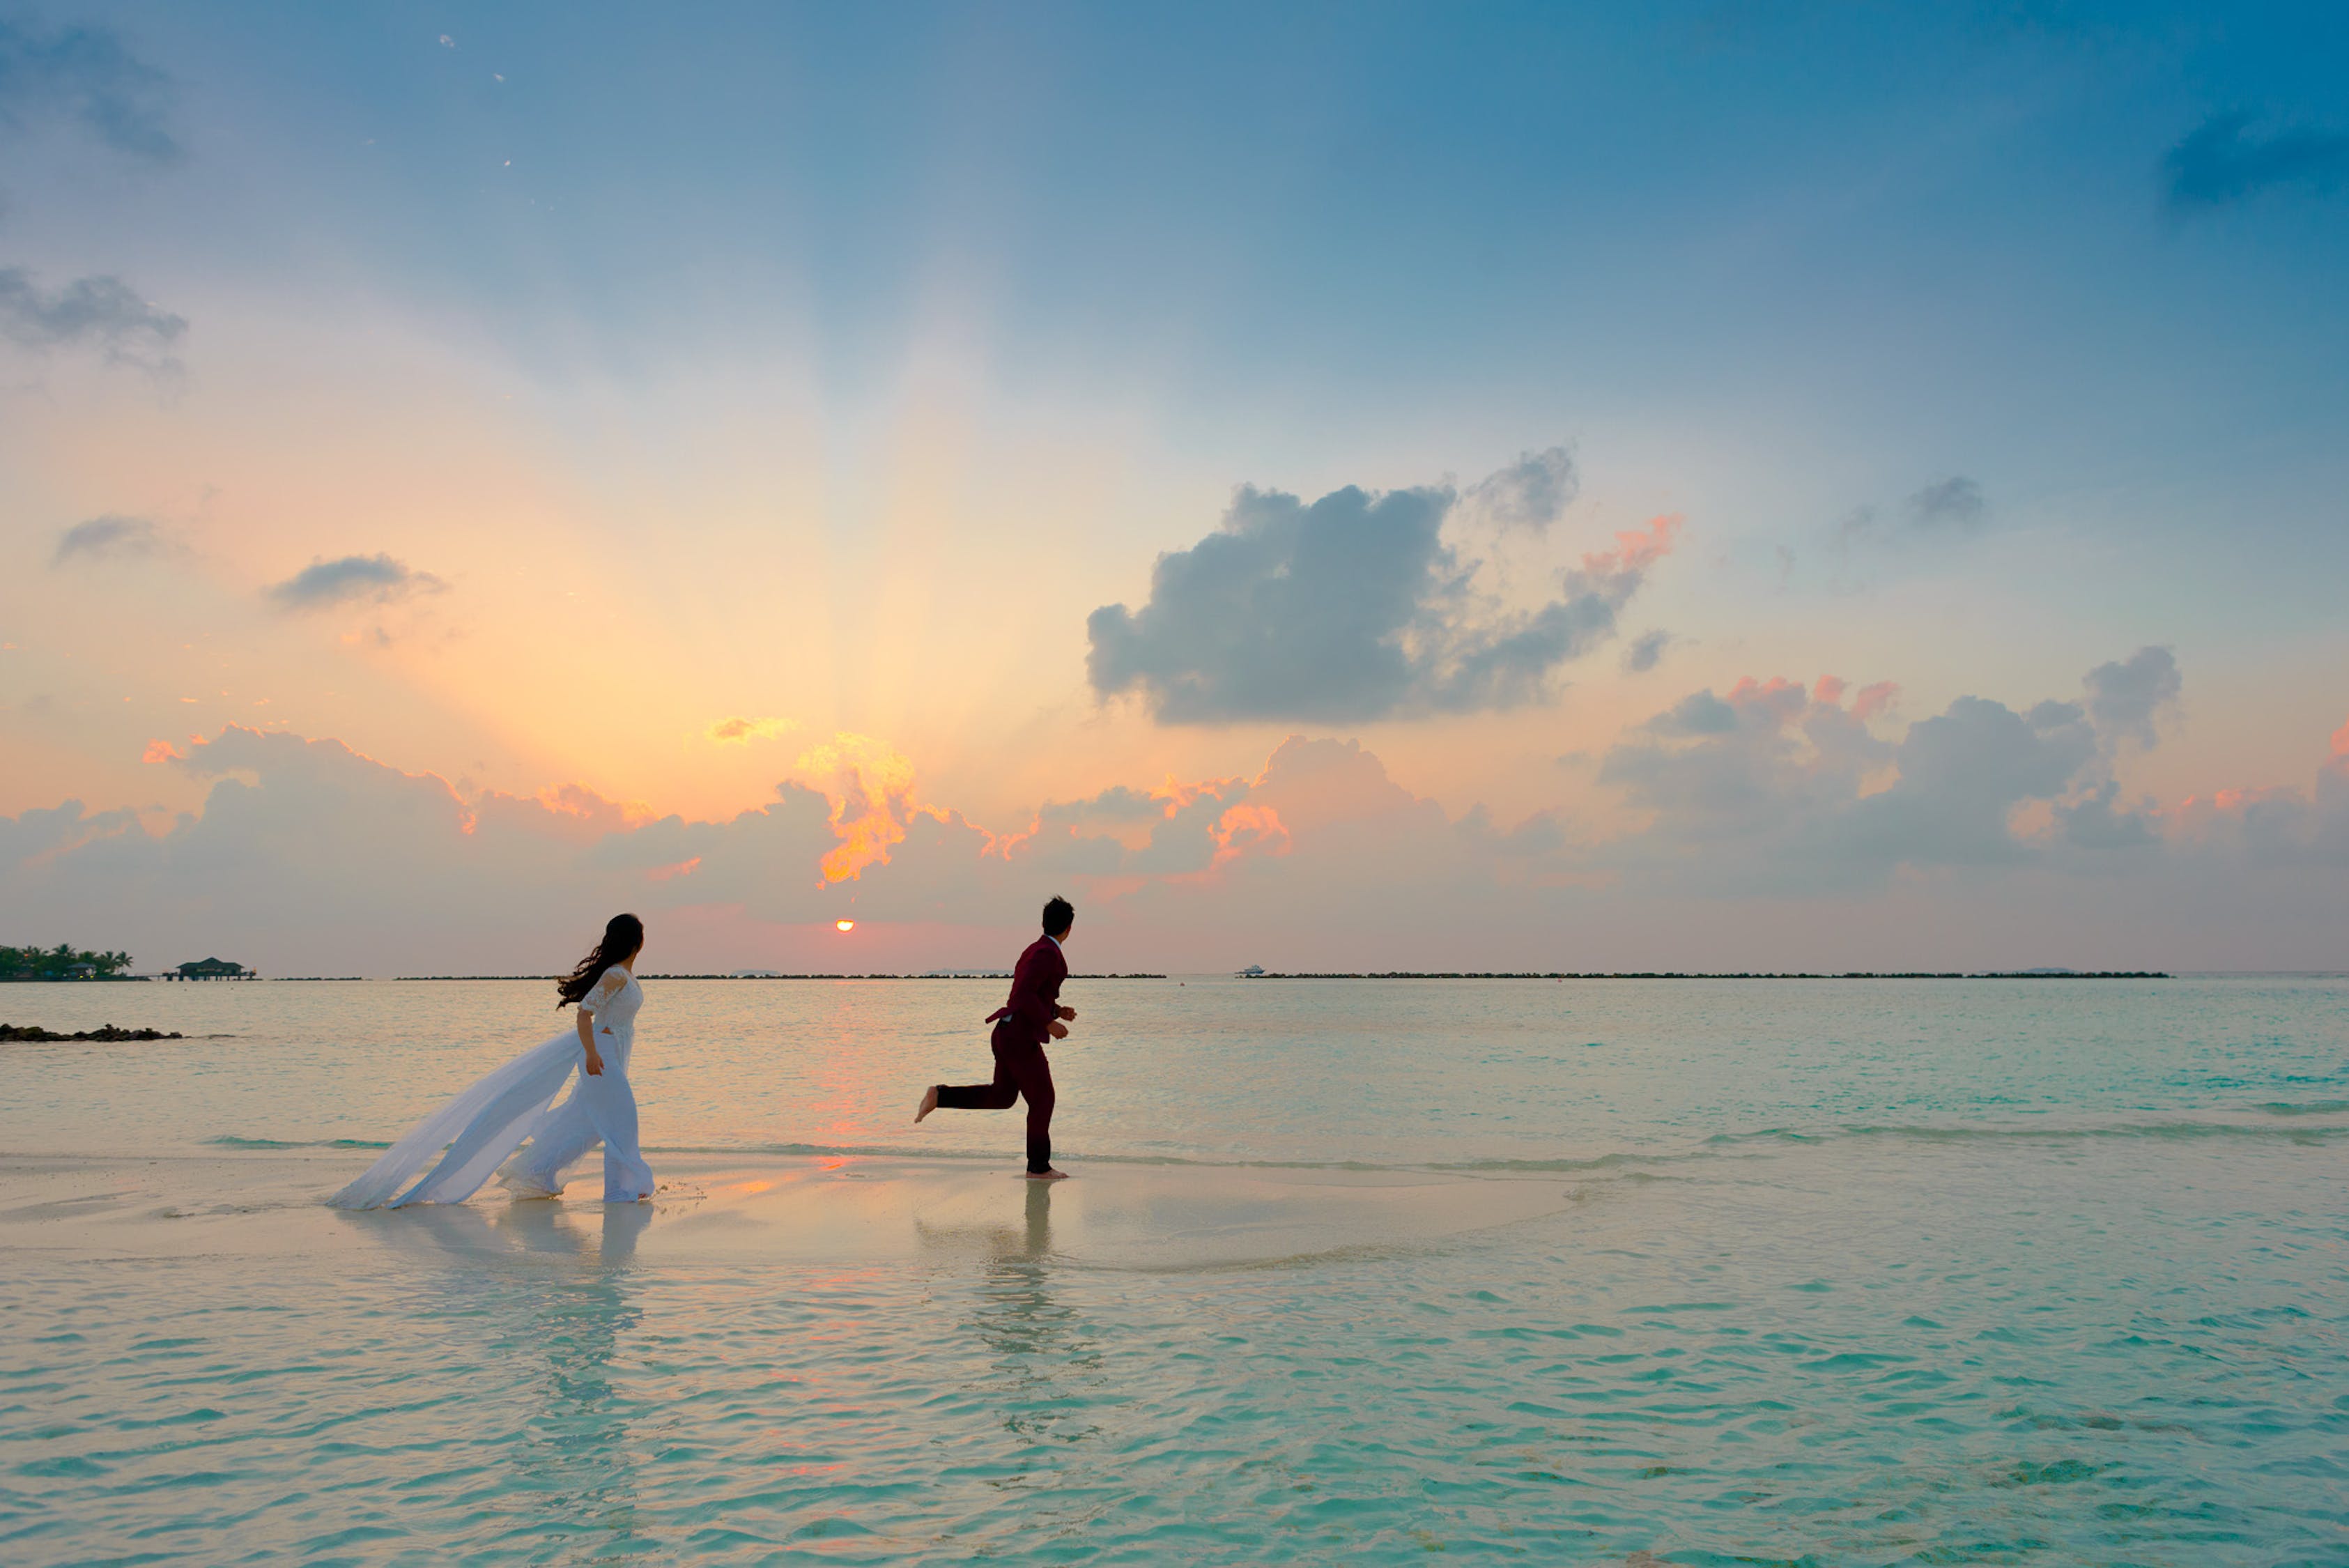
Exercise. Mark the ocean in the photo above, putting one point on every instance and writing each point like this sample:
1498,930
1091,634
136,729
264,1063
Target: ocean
1607,1272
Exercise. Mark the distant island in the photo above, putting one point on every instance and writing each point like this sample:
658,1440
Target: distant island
1254,973
67,962
64,962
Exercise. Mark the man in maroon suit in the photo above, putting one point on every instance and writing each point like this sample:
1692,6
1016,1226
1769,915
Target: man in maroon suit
1032,1014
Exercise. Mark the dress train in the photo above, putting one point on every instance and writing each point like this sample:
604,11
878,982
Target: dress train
478,1129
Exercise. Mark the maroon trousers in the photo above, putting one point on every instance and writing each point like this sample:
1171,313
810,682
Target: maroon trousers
1021,1069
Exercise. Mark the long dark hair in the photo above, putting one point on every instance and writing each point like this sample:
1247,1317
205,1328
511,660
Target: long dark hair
622,936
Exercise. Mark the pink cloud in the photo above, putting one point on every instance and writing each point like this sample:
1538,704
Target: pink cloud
1637,549
1876,700
1784,698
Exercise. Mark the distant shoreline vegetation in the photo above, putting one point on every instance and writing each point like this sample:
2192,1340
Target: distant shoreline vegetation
64,962
1390,974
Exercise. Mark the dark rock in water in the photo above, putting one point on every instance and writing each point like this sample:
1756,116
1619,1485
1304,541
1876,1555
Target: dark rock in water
35,1033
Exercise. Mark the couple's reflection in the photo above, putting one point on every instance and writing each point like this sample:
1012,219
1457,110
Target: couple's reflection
1043,1356
557,1302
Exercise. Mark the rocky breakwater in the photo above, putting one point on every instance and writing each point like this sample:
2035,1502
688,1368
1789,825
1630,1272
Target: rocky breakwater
31,1032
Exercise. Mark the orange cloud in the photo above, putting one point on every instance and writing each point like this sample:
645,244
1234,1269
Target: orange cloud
164,752
583,803
1247,827
739,730
870,788
1176,795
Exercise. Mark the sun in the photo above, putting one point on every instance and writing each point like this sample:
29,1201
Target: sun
843,925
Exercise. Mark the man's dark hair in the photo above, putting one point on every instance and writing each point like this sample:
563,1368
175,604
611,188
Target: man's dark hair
1059,916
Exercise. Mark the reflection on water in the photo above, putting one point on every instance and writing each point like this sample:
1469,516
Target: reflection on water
1045,1367
568,1441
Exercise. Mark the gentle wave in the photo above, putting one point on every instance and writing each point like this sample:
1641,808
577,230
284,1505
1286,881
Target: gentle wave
928,1152
2284,1122
2150,1130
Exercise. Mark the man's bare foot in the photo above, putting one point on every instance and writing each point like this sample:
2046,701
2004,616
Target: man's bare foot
929,1102
1047,1176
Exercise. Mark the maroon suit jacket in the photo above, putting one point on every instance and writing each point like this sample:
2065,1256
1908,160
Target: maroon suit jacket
1035,999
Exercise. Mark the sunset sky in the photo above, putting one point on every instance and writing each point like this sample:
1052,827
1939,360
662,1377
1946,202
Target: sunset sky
1694,486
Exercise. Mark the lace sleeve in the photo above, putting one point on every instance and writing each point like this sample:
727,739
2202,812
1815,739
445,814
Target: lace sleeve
606,988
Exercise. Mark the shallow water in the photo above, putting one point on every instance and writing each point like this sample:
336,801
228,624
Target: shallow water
1864,1273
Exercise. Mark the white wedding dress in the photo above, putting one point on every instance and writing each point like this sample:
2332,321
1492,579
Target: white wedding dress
480,1127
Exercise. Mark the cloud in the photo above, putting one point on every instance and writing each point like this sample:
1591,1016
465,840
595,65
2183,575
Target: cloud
85,74
2224,161
2126,698
1531,493
1775,787
741,732
1355,608
2093,823
2276,827
1953,503
102,311
352,579
1752,783
1948,506
308,852
109,538
1643,652
1962,775
1984,836
872,795
1856,527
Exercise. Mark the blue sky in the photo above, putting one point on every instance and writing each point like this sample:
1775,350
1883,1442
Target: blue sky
1357,207
909,311
1871,245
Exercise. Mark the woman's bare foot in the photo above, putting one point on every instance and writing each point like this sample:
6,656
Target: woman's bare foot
929,1102
1047,1176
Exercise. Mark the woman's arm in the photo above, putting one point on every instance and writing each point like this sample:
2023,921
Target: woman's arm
587,1021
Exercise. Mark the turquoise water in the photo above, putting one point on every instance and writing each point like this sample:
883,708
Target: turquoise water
1854,1272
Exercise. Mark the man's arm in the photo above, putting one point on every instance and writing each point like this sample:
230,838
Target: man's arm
1054,970
1034,990
1052,976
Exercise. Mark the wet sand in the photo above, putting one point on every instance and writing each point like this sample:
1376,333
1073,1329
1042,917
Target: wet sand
269,1205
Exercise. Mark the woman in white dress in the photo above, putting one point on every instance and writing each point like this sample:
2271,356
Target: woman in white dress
480,1127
